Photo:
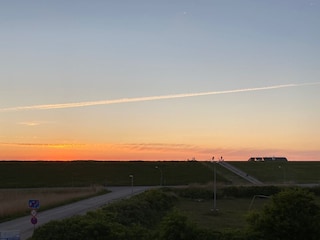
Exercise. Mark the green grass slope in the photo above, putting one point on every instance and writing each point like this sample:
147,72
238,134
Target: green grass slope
21,174
15,174
282,172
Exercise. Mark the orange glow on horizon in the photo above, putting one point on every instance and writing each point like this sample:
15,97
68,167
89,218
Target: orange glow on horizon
146,152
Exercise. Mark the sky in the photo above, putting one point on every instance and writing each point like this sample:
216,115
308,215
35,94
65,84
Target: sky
159,80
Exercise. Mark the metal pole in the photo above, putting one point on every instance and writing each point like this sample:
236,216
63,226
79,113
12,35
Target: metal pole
131,176
283,173
161,175
214,187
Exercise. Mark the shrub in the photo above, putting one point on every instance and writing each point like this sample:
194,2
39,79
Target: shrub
176,226
292,214
127,219
195,192
247,192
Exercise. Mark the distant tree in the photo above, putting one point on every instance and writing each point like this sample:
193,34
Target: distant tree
292,214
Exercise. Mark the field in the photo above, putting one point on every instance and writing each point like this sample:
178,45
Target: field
60,182
14,202
231,212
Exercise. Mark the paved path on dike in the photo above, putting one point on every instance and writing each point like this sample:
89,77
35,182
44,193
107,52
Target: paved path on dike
240,173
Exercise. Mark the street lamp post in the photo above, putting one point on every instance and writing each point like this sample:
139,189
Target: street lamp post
214,186
284,173
131,176
161,175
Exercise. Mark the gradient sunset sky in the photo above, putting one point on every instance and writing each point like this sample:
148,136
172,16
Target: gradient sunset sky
159,80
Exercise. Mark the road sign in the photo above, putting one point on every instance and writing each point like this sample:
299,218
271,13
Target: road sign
34,204
34,220
33,212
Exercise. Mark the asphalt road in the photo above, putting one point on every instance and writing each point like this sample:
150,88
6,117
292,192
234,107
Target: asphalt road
26,228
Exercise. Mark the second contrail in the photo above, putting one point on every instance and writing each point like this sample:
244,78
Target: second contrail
142,99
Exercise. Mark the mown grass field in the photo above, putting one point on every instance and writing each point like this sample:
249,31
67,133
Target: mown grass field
232,212
282,172
87,173
15,174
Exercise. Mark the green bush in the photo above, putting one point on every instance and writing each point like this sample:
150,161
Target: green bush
145,209
315,190
176,226
194,192
132,218
292,214
250,191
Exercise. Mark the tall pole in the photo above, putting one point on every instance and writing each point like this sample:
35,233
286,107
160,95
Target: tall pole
131,176
161,175
214,187
214,209
284,173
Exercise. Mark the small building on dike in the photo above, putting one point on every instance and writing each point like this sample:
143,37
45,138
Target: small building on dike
268,159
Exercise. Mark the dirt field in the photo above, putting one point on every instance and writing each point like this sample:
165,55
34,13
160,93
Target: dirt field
14,202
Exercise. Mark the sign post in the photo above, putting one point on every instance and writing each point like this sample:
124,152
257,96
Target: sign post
34,205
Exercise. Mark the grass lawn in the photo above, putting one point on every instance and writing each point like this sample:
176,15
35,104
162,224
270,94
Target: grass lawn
86,173
34,174
231,212
282,172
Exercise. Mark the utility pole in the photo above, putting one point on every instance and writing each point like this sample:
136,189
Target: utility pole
161,175
131,176
214,186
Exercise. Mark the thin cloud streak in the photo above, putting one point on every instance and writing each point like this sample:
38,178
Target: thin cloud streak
30,124
50,145
143,99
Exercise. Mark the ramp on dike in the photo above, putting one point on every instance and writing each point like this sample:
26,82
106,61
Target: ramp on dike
240,173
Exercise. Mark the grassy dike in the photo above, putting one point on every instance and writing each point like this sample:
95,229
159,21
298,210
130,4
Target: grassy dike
87,173
35,174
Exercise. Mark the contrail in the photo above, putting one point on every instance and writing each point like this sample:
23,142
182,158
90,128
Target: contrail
143,99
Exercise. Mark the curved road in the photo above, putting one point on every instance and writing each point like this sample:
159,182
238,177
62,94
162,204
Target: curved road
25,227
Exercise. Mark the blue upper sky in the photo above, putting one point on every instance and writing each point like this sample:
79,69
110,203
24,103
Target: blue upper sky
55,52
